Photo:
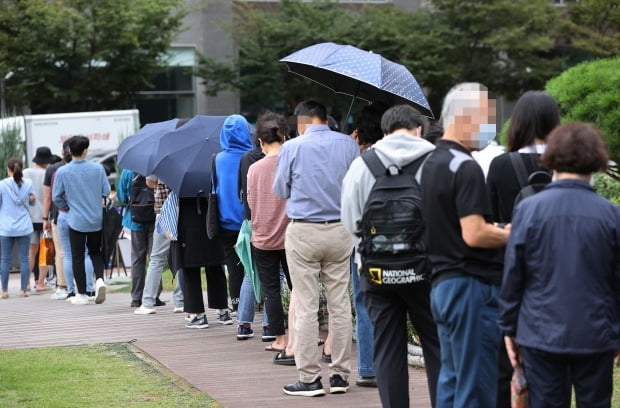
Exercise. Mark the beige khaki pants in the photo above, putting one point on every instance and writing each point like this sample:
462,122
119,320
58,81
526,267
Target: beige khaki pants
320,251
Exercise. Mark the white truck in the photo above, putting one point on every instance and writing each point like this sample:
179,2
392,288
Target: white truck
105,129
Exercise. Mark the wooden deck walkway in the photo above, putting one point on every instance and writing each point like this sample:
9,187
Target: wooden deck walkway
235,373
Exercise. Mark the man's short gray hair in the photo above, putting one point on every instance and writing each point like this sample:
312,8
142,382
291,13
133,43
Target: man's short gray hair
461,96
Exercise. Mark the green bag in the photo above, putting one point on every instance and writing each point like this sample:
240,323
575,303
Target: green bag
243,249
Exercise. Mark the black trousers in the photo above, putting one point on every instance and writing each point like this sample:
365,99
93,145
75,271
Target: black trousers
191,285
228,239
504,376
92,241
388,308
268,264
549,377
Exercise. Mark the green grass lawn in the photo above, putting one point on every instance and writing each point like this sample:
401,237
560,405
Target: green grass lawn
107,375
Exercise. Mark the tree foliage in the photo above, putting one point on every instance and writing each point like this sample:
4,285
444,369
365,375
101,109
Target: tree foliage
591,28
73,55
588,92
504,44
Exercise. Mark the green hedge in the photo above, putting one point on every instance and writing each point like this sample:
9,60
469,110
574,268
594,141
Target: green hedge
590,92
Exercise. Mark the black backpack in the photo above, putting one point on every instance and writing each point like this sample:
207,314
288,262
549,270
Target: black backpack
141,201
530,184
393,246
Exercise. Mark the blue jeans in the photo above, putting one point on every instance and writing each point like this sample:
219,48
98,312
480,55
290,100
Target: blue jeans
364,333
247,302
157,262
23,244
466,312
67,264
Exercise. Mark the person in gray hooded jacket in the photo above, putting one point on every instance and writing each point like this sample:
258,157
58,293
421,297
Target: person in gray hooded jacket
389,305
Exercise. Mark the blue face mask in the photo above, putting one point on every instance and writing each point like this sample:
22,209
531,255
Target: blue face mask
486,134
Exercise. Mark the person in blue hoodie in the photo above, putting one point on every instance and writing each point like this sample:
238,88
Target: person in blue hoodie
235,141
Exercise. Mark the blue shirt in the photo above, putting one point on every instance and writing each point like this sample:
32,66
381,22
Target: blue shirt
310,172
78,188
122,193
561,289
14,216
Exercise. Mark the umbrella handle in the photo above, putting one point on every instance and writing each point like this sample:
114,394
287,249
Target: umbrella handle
346,118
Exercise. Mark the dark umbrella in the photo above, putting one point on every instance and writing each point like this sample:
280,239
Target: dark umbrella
137,151
183,158
111,229
361,74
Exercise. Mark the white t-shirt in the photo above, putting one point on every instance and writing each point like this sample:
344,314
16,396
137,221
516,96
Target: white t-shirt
36,175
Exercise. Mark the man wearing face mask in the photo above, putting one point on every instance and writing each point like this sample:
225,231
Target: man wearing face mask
462,246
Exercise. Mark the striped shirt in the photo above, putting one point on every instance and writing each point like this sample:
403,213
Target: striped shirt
269,219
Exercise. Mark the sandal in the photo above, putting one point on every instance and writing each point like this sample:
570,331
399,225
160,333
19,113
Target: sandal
24,293
272,348
326,357
5,295
282,359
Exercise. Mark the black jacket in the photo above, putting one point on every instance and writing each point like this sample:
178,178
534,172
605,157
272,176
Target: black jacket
247,160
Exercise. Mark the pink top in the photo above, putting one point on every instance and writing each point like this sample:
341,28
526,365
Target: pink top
269,218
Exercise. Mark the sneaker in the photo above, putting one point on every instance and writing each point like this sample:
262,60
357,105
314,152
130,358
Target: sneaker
159,302
51,282
99,291
91,295
198,322
189,318
144,311
135,303
70,295
338,385
177,309
60,294
302,389
225,318
232,313
80,299
267,335
244,332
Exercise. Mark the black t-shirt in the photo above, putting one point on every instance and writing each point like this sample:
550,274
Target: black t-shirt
504,186
453,187
48,182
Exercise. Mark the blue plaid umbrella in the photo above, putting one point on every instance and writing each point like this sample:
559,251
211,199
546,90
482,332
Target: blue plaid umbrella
361,74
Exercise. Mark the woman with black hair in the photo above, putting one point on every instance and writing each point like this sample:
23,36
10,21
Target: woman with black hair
16,195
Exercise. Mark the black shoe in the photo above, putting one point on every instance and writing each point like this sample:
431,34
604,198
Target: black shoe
267,334
313,389
366,382
70,295
136,303
159,302
338,385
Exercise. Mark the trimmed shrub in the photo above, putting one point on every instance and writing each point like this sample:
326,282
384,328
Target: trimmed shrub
589,92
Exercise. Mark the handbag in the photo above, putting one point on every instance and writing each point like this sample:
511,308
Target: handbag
47,253
213,214
519,395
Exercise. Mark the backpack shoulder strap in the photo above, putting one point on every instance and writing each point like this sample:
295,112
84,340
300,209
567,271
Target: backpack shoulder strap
519,167
373,163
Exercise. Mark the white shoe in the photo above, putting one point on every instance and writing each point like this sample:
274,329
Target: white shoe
80,299
178,310
99,291
144,311
60,294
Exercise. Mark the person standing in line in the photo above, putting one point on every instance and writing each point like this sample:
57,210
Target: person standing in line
79,188
309,175
560,297
269,223
235,141
141,237
534,116
36,174
389,305
462,247
158,258
58,218
16,195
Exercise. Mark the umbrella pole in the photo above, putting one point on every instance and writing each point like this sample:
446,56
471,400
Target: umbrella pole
346,118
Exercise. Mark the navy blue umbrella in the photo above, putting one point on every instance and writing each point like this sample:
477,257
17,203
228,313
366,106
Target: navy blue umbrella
361,74
183,158
137,151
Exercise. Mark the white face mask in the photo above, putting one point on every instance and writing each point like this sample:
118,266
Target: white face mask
484,136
